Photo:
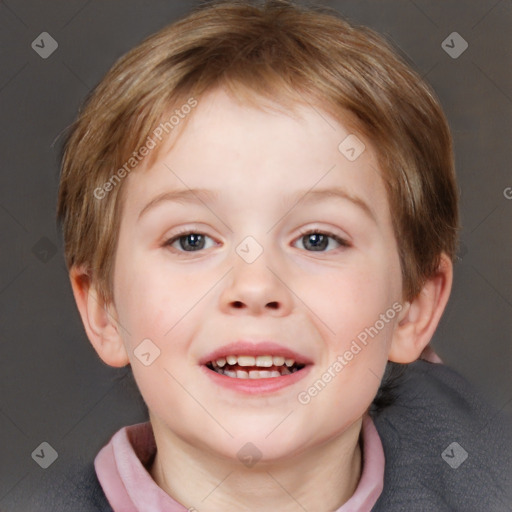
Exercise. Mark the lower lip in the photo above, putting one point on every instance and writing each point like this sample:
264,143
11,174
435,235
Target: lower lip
257,386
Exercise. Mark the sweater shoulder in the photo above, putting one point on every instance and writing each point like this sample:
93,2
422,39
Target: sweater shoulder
77,490
445,446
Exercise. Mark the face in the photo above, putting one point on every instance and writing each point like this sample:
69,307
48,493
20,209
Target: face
262,255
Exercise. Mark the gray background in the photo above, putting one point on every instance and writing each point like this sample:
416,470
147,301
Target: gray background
53,386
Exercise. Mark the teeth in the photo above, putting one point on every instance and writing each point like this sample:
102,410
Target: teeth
278,360
264,374
246,360
224,365
231,359
254,374
263,361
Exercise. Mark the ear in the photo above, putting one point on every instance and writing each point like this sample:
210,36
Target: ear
419,319
99,319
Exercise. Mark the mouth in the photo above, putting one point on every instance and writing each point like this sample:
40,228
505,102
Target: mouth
260,368
254,367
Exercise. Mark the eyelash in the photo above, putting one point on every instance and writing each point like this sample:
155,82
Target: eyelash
314,231
343,243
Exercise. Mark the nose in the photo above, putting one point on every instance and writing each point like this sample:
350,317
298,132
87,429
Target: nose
256,288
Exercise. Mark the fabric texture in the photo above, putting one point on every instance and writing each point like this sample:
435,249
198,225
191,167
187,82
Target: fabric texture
446,449
434,408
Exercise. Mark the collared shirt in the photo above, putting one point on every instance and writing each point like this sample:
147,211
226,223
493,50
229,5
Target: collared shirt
122,470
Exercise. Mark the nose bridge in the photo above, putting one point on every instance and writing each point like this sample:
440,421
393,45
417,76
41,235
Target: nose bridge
254,284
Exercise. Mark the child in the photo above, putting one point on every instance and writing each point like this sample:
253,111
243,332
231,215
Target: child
260,216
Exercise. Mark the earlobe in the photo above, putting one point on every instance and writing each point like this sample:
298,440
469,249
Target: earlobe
100,324
420,318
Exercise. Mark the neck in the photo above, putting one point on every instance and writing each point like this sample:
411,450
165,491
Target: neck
321,478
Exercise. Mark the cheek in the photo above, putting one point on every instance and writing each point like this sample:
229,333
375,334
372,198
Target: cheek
352,299
146,302
161,306
352,373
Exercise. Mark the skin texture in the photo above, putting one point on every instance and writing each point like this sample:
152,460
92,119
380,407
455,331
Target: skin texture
312,301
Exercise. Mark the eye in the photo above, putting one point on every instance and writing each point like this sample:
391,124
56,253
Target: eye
318,240
193,241
188,241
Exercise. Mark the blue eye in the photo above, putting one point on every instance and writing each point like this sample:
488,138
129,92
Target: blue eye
318,240
313,240
186,239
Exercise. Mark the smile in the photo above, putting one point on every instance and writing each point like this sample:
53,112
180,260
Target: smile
254,367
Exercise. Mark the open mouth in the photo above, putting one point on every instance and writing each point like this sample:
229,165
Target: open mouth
254,367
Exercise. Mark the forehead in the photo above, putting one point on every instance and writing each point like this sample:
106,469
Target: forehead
250,154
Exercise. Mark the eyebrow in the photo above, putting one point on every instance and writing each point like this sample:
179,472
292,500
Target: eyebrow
201,196
190,195
333,192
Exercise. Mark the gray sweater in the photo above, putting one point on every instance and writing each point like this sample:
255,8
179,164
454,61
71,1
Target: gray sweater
446,449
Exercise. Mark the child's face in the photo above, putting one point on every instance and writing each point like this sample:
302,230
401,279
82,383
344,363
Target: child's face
193,298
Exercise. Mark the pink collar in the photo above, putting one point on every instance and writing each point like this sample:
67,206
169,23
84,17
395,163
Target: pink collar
129,487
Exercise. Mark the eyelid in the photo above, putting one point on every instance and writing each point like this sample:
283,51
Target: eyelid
328,230
341,239
169,240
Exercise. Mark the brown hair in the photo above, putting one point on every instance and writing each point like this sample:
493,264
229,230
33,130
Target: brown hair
283,52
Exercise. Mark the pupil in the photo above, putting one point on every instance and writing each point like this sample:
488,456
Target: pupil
195,238
315,236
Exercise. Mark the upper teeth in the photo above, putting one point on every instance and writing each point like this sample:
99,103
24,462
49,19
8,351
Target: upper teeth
264,361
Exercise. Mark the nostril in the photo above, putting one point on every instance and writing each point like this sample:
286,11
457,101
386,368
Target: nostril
272,305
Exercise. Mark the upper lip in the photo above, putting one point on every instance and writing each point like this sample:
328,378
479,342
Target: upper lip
260,348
